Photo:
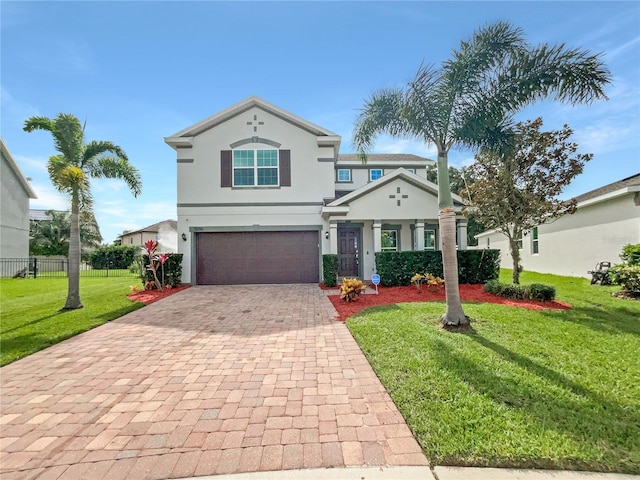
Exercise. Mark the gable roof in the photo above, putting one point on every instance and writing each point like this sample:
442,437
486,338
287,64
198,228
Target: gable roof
16,170
155,228
615,189
182,137
401,173
384,157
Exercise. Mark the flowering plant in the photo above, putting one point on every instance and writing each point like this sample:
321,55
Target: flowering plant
154,260
432,282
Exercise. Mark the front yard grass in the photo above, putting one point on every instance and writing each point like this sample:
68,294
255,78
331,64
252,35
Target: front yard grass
30,319
530,389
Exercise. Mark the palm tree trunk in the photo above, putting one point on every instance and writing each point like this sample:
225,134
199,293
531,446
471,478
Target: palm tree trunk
73,293
454,315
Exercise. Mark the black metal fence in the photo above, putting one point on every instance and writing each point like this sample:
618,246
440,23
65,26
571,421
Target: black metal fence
54,267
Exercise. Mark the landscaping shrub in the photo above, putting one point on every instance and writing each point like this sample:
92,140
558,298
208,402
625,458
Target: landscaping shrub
627,276
631,254
330,269
171,272
113,256
474,266
351,288
535,291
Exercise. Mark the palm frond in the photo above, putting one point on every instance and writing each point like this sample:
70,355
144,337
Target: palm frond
38,123
68,137
120,168
98,147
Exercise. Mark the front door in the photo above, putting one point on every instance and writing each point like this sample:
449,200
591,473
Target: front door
348,252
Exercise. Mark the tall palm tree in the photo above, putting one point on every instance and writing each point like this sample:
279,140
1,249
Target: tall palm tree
71,171
470,101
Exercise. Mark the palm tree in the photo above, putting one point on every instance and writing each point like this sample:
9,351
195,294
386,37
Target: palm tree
470,101
51,236
71,171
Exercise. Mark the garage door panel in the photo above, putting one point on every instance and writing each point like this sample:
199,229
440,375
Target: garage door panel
257,257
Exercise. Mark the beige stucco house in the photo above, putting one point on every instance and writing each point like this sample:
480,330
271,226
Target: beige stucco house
606,219
263,194
15,193
165,233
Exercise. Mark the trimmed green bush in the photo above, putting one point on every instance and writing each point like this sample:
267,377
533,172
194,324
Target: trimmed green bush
535,291
627,276
113,256
330,269
631,254
169,274
474,266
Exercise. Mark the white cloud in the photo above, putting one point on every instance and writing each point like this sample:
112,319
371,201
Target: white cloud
48,198
31,166
14,110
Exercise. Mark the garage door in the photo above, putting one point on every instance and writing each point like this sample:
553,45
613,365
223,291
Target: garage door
233,258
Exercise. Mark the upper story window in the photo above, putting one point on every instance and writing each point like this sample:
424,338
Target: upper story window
412,170
374,174
255,168
344,175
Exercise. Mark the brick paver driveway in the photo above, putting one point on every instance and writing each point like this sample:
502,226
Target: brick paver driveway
210,380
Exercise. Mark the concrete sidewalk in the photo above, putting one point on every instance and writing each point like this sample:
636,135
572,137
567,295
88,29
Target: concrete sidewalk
422,473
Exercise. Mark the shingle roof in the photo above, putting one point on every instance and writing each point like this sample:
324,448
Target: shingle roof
40,214
631,181
384,157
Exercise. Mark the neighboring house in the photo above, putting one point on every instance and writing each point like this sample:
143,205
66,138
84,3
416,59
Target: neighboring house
263,194
88,224
165,233
606,219
15,193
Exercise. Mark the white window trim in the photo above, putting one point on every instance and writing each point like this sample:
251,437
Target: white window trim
389,249
371,170
348,170
435,240
255,167
535,241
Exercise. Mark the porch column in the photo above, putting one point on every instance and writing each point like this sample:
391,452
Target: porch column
333,237
462,234
377,235
419,233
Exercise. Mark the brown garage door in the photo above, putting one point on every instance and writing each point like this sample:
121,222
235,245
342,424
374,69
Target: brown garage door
233,258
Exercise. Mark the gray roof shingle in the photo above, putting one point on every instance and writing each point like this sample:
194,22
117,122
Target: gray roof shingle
633,180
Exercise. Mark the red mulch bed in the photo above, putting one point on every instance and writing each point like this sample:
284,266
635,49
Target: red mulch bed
468,293
149,296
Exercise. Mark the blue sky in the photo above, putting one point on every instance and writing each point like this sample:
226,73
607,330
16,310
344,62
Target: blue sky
141,71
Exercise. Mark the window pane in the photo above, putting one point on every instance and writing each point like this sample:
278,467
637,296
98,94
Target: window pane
267,176
243,158
429,239
344,175
375,174
389,240
243,176
267,158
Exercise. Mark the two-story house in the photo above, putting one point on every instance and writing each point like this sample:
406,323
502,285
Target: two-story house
263,194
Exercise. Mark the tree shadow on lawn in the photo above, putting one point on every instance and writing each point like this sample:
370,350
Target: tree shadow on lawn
600,318
32,322
611,427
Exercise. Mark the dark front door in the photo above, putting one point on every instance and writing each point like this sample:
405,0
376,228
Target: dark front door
348,252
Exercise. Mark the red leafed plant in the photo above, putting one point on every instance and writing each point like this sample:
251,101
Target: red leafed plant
154,260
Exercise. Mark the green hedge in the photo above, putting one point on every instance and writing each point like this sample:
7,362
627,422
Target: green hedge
113,256
627,276
474,266
631,254
535,291
172,270
330,269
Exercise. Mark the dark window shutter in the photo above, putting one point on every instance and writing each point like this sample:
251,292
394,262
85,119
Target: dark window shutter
285,168
226,170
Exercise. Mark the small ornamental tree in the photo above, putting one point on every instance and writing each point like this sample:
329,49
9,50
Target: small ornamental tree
517,189
154,260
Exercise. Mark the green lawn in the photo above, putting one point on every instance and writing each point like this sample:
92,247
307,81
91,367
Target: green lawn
546,389
30,319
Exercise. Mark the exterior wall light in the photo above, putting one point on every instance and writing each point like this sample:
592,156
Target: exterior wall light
326,235
184,237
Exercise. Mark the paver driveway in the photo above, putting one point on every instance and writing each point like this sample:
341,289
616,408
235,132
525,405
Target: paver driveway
210,380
